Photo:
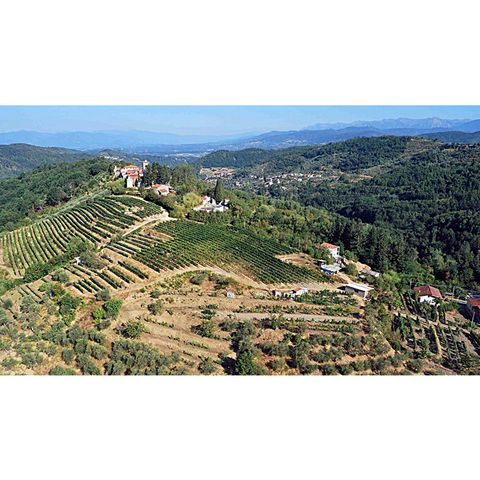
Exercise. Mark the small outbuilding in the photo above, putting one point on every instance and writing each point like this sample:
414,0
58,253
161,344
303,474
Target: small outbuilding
331,269
295,292
358,289
371,273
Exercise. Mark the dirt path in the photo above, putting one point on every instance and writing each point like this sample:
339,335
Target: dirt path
294,316
160,217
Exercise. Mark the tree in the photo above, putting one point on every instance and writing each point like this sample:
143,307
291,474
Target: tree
118,187
68,355
206,329
245,364
219,191
191,199
351,270
55,196
61,276
112,308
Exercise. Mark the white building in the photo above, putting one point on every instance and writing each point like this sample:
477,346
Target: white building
210,205
294,292
330,269
334,250
428,294
358,289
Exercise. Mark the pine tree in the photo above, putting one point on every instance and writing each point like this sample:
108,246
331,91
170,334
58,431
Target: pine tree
219,192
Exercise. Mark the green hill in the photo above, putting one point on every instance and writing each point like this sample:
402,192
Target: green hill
350,155
18,158
32,192
455,137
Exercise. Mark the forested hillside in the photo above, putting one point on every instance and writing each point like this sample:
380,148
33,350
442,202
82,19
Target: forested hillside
18,158
350,155
423,192
46,186
455,137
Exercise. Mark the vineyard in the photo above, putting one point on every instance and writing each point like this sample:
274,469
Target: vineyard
183,243
96,220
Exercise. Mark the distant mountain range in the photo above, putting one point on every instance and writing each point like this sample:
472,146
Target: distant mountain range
183,146
394,123
132,139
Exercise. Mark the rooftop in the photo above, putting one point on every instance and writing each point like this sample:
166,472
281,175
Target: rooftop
474,302
328,245
427,290
359,286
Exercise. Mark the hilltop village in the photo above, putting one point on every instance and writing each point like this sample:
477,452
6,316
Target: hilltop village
134,175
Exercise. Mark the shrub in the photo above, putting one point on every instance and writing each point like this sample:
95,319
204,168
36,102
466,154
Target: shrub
415,365
112,308
132,329
68,355
61,371
205,329
207,366
103,295
277,364
155,308
329,369
61,276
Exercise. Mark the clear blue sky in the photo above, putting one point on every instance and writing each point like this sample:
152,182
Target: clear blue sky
207,120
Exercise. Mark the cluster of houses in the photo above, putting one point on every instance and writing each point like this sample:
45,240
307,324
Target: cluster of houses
433,296
210,205
132,174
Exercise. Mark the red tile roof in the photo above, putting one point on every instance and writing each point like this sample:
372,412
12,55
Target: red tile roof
159,186
427,290
328,245
474,302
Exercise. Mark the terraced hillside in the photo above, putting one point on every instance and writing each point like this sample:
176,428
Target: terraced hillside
96,220
183,243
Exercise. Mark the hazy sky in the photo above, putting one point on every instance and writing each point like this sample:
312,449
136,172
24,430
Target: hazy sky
209,119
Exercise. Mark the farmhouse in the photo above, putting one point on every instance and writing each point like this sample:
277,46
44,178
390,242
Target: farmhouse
162,189
358,289
473,308
334,250
427,294
295,292
209,205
